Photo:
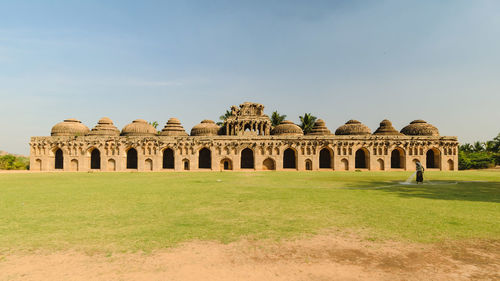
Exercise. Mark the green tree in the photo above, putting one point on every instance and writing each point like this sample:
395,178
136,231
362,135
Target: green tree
224,117
478,146
277,118
307,122
154,124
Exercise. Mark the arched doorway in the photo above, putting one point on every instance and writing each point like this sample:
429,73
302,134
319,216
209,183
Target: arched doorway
397,159
380,164
74,165
59,159
205,159
168,159
432,158
226,164
451,167
111,165
345,164
95,159
132,158
289,159
148,165
38,165
309,165
247,161
325,159
185,163
268,164
361,160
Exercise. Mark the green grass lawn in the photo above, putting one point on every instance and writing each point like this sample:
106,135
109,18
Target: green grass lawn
148,211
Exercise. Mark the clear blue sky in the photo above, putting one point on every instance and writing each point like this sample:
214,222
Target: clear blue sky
367,60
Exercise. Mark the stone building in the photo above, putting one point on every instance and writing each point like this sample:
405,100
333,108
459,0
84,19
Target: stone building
246,141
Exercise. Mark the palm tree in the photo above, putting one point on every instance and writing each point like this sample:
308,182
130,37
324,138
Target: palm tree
466,147
478,146
276,118
155,125
307,122
224,117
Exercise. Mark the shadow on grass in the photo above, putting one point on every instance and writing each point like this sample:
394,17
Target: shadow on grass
443,190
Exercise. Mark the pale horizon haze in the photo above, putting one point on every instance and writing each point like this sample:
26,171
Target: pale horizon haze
339,60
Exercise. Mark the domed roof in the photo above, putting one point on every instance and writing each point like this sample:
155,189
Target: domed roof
205,128
139,127
69,127
105,127
320,128
287,128
353,127
386,128
173,128
420,128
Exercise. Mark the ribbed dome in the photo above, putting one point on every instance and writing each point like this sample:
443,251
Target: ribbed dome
173,128
139,127
205,128
420,128
287,128
353,127
386,128
320,128
69,127
105,127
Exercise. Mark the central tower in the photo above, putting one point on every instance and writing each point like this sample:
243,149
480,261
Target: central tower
248,120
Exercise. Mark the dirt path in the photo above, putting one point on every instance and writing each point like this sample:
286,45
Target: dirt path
324,257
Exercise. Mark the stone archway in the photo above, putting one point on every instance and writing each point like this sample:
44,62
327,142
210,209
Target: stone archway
73,165
205,159
433,158
289,159
132,158
345,164
226,164
381,166
325,158
38,165
397,159
308,165
247,159
168,159
451,166
95,159
111,165
362,159
148,165
59,159
268,164
185,164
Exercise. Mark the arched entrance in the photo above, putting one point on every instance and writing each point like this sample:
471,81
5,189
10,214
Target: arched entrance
59,159
148,165
226,164
397,159
168,159
432,158
268,164
95,159
345,164
380,164
247,161
185,163
73,165
325,159
205,159
361,160
38,165
111,165
132,158
451,167
289,159
309,165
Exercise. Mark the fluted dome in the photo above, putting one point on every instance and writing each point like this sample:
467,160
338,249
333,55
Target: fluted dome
386,128
173,128
139,127
320,128
287,128
420,128
69,127
205,128
105,127
353,127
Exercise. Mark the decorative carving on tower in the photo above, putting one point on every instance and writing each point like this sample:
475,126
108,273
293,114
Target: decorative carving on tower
248,120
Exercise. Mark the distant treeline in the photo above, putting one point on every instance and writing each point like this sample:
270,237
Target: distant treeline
11,162
479,155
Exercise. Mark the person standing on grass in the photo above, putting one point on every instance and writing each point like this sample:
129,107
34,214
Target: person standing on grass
420,172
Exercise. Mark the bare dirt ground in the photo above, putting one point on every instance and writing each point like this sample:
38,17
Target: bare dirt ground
323,257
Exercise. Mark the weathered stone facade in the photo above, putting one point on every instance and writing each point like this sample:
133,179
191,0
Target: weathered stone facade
246,141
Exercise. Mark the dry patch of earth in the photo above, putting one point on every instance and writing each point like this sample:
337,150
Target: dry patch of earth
322,257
